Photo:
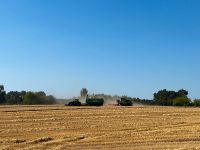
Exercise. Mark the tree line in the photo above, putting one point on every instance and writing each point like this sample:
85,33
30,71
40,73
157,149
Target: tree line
162,98
24,97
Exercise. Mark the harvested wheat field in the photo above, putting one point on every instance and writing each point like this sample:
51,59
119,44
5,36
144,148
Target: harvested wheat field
108,127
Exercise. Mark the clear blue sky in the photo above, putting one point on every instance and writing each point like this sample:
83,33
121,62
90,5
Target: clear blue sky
125,47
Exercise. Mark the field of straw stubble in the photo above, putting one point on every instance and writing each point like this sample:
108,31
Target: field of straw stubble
108,127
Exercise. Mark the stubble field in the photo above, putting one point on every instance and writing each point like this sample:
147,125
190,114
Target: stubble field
108,127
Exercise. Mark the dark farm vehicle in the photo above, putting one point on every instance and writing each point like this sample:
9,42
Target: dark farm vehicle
94,101
75,102
124,102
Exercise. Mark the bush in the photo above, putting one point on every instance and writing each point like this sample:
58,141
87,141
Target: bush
94,101
196,102
181,101
125,102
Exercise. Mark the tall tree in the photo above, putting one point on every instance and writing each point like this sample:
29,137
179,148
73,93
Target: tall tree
182,93
2,94
14,97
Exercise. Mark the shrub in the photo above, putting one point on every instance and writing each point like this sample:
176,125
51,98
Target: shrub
181,101
94,101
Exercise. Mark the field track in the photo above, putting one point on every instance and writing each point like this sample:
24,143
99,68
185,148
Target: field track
108,127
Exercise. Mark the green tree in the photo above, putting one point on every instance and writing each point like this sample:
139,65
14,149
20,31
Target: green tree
2,94
14,97
182,93
30,98
164,97
1,87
